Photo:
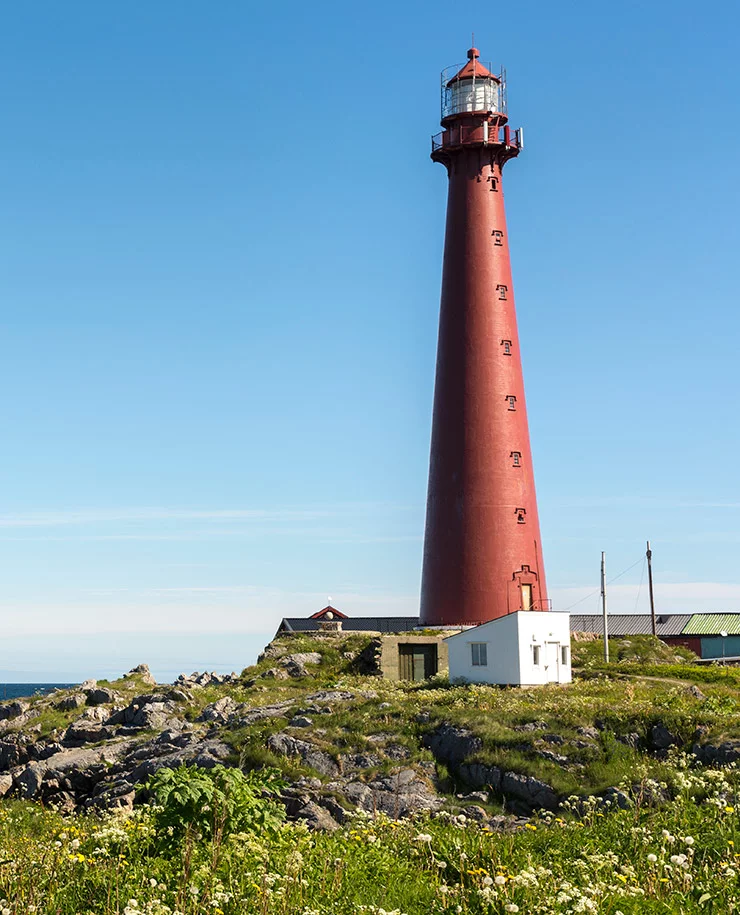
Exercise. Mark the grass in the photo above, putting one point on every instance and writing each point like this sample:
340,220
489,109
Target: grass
678,858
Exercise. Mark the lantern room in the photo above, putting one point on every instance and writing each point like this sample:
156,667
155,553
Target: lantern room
472,88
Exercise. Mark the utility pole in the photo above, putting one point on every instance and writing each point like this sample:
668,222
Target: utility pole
649,555
603,607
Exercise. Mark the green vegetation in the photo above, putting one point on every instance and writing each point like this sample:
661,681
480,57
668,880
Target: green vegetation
679,858
215,840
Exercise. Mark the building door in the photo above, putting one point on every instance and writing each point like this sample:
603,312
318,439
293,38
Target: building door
552,662
417,662
526,597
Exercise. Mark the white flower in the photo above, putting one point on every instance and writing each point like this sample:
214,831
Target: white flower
152,881
487,881
441,865
652,858
423,837
688,840
500,880
511,907
75,843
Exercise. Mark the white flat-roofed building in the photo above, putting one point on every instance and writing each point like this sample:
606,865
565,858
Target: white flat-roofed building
527,648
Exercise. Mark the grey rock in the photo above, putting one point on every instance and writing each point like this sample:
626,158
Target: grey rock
618,798
717,754
220,711
142,672
317,817
71,702
300,721
479,775
295,670
451,744
12,710
396,751
474,812
6,783
197,752
397,795
89,685
272,651
556,758
301,658
661,738
275,673
694,691
285,745
479,796
590,733
531,726
101,696
533,792
83,731
360,761
13,752
28,780
330,695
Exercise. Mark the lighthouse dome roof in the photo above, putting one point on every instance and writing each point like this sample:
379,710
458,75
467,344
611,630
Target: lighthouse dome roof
473,69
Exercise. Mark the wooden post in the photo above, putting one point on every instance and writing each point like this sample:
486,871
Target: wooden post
603,607
650,583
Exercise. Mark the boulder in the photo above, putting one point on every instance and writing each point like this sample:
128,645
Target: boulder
451,744
285,745
317,817
533,792
12,710
142,672
397,795
300,721
71,702
302,658
101,696
617,797
6,783
28,780
661,738
219,711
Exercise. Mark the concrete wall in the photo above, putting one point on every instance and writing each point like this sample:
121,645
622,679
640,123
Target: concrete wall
509,642
389,657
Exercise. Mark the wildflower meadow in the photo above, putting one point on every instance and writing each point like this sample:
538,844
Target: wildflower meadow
215,845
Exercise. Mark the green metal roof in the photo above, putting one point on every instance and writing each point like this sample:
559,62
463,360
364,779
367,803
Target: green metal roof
713,624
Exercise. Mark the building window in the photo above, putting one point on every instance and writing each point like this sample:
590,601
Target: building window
507,347
536,655
497,236
502,290
564,653
512,401
526,597
516,458
521,514
479,654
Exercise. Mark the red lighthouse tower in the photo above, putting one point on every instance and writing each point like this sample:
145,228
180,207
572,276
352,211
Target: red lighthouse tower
482,553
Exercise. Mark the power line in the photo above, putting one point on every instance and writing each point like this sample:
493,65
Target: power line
598,590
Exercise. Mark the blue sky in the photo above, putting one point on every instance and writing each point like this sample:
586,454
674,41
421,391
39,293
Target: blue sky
220,254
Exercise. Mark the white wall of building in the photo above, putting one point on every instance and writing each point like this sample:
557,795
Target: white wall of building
528,648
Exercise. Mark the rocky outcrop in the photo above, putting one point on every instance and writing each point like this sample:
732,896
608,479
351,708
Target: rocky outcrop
452,745
318,760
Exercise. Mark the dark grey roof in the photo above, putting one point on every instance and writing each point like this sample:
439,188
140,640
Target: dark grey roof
630,623
354,624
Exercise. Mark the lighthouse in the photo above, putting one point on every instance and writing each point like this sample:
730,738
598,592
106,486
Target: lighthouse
482,549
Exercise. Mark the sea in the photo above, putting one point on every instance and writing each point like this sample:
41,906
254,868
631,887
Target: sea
18,690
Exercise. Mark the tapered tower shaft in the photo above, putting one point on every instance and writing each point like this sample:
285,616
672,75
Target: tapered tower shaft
482,553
